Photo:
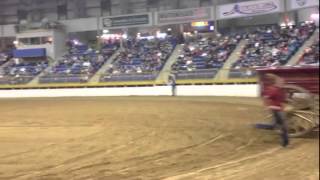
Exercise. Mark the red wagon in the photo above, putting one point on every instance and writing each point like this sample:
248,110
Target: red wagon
302,102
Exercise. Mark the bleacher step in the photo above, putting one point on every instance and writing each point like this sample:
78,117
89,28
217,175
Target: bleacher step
6,63
96,77
35,80
295,58
166,70
224,71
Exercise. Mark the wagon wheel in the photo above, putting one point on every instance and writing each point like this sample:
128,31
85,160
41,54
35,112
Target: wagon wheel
298,98
299,123
299,111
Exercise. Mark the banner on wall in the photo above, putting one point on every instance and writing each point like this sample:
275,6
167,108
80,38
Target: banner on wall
183,16
298,4
250,8
126,21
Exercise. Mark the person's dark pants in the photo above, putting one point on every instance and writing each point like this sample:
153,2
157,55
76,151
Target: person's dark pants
278,121
173,90
278,118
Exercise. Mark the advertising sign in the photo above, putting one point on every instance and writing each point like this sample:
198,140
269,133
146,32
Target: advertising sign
126,21
298,4
250,8
183,16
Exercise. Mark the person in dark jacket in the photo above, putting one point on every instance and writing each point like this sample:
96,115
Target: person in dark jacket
172,82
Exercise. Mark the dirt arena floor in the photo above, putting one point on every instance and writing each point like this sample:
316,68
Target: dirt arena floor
170,138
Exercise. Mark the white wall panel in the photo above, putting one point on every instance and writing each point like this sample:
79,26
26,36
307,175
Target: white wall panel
208,90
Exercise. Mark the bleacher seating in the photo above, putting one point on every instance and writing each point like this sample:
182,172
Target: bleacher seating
140,59
79,65
270,46
203,57
21,71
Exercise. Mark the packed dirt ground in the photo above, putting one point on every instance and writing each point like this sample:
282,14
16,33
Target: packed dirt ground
172,138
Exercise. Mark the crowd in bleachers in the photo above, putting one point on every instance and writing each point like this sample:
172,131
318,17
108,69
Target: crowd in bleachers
21,71
202,54
273,46
311,55
140,57
143,58
206,53
79,65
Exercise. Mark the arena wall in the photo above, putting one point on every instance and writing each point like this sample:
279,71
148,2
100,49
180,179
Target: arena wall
243,90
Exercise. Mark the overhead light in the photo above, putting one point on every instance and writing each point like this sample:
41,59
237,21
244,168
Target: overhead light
15,42
314,16
124,36
76,42
105,31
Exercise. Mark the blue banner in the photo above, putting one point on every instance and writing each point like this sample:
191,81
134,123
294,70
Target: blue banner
24,53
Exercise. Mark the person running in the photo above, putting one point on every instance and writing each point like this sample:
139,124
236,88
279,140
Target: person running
274,97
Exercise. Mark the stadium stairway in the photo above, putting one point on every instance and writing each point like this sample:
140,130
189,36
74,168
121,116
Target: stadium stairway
224,71
96,77
35,80
295,58
6,63
166,70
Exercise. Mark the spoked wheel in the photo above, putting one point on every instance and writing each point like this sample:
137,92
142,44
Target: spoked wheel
298,98
299,111
300,123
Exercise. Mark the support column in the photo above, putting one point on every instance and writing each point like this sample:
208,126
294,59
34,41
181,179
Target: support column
215,8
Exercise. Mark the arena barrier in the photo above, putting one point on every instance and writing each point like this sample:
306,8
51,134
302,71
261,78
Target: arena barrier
237,90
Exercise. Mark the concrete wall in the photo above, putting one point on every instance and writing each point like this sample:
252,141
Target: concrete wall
7,30
80,25
304,14
207,90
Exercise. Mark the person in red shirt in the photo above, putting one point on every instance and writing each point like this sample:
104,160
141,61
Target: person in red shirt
274,97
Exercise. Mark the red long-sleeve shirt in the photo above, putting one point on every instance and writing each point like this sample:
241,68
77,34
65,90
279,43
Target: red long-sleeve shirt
274,97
